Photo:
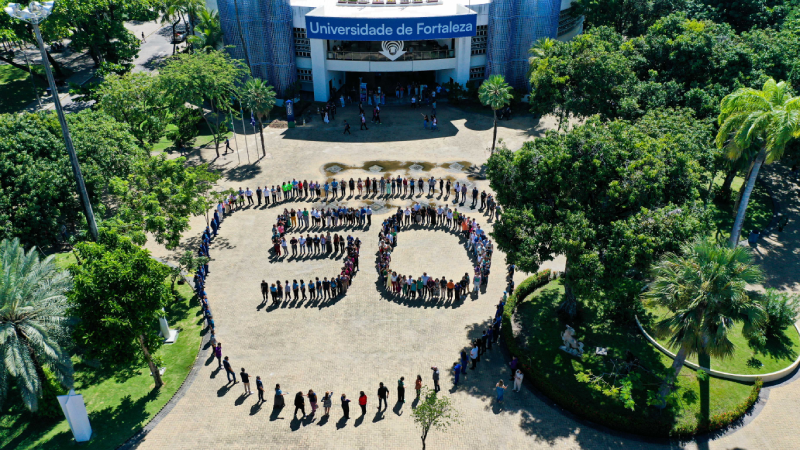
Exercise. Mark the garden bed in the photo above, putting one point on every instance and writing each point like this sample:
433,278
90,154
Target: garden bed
700,405
120,401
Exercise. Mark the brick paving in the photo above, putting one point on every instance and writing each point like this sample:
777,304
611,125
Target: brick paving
366,337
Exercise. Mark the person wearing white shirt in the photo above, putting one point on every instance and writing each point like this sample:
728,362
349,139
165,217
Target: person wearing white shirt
302,244
369,216
473,356
518,380
407,214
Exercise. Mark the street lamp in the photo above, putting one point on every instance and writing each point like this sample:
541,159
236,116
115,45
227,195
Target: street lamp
35,14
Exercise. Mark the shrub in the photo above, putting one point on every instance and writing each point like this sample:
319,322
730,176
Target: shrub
48,405
639,424
781,309
186,121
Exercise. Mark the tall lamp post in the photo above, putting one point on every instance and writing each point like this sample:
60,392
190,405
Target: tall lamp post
35,14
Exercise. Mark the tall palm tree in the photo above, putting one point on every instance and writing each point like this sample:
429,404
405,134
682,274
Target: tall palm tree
495,93
259,97
769,118
33,321
704,289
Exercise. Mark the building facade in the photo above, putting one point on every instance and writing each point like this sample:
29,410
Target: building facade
328,45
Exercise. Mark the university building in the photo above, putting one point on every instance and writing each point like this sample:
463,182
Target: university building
326,45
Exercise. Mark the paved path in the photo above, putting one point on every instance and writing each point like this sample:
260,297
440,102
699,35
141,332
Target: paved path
365,337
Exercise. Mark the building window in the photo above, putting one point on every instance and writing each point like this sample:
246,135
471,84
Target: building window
568,19
477,73
304,75
480,40
302,46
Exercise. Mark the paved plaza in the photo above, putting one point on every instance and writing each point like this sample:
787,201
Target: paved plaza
365,337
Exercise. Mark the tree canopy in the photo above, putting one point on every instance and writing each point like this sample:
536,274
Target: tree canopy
610,196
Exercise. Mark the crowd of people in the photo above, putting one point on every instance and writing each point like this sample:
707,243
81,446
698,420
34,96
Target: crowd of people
425,286
308,245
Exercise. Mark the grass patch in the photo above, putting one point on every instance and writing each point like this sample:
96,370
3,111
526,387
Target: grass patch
779,353
16,89
556,373
759,209
120,401
204,138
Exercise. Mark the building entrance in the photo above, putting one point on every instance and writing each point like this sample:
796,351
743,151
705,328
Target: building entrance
388,81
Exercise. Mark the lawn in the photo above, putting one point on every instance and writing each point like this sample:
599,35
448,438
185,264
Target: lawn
539,335
16,89
780,351
759,210
204,138
120,401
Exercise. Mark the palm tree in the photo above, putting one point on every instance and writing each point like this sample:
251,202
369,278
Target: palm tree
495,93
704,289
33,321
258,97
769,118
170,11
208,34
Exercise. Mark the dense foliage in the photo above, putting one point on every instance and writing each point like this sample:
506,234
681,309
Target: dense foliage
36,181
119,295
611,197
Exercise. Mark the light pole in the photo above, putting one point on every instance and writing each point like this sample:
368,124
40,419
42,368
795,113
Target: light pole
35,14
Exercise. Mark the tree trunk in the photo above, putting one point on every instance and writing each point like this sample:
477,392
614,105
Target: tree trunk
677,365
174,40
216,143
153,369
261,132
568,307
726,184
751,181
494,137
56,68
12,63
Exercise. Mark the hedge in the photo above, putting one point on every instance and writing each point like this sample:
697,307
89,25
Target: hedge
628,423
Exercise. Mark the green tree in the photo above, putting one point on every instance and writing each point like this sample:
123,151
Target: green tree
627,17
704,287
33,322
434,413
259,97
160,197
204,77
611,197
36,179
134,99
769,118
171,13
208,32
119,295
495,93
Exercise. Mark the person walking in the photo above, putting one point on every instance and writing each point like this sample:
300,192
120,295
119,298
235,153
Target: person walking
363,123
345,406
383,396
346,131
144,41
434,124
500,388
260,389
299,403
245,381
436,387
518,380
401,390
229,370
362,402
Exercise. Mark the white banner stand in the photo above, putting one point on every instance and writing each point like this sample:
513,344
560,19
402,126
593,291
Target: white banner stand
170,336
75,412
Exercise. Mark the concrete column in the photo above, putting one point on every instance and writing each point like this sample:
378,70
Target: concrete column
463,54
319,70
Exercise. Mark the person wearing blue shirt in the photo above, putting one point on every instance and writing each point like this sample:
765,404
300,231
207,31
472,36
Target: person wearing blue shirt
456,373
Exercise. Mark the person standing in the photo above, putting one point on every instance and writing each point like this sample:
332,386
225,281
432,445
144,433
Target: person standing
362,402
518,380
436,387
363,122
218,354
383,396
464,362
327,402
229,370
346,406
245,381
279,401
501,388
434,123
401,390
249,195
456,373
312,400
513,365
299,403
418,385
258,194
260,389
473,356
